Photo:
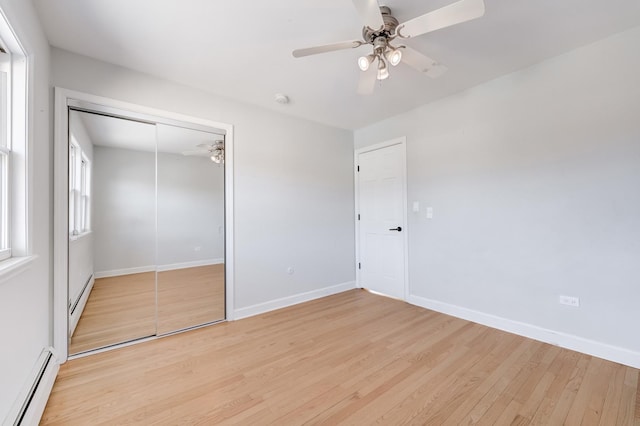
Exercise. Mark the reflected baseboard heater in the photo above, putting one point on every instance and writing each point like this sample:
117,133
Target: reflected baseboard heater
76,309
30,404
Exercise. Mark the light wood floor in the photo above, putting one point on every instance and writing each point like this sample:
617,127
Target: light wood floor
123,308
352,358
189,297
118,309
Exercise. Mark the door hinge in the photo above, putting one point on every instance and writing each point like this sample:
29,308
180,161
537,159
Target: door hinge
358,168
358,216
359,265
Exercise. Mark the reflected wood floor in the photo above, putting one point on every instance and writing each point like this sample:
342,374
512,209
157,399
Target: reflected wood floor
351,358
190,296
123,308
118,309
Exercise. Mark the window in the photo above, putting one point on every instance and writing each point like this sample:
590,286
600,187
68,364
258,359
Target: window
84,194
5,152
73,154
14,172
79,190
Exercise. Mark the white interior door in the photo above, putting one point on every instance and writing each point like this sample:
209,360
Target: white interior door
381,225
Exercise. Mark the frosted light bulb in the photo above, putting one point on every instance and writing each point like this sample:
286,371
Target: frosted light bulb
383,73
394,56
363,63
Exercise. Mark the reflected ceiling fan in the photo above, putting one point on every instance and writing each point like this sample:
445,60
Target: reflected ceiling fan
213,150
381,28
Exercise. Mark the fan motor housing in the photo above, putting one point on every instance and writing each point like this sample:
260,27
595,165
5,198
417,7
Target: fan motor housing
390,24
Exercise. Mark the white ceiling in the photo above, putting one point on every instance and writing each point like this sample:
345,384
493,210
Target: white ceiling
242,49
116,132
128,134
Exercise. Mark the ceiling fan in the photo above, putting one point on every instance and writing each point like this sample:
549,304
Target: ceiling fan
213,150
381,28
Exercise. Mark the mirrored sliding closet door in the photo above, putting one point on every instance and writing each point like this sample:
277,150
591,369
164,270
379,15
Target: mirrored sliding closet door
146,229
190,229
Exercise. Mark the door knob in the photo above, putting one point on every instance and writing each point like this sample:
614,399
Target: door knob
399,228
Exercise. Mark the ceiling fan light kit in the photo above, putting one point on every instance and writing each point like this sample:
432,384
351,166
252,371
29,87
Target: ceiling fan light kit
381,28
365,61
213,150
383,70
393,55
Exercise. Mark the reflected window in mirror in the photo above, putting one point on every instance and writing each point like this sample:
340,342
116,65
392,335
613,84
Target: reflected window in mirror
79,190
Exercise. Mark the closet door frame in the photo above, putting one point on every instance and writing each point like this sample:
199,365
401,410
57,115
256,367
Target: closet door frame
65,98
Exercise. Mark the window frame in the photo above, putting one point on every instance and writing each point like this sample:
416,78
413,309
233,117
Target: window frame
15,139
85,194
5,205
5,152
79,191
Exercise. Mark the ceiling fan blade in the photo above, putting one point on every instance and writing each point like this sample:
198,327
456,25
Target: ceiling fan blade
369,11
422,63
455,13
367,81
327,48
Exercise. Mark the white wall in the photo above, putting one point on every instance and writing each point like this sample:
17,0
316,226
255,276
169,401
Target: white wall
80,248
293,181
124,206
534,180
190,210
80,265
25,326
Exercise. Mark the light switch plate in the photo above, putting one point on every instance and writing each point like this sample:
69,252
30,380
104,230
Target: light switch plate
429,212
416,206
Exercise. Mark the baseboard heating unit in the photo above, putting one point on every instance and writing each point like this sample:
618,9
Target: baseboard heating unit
30,404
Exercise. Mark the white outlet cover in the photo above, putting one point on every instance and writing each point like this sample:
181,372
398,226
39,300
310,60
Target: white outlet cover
569,301
290,270
429,212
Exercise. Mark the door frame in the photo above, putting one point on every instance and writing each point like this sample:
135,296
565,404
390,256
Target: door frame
402,141
65,97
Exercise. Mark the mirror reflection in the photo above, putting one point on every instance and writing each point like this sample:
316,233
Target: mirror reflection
146,230
190,229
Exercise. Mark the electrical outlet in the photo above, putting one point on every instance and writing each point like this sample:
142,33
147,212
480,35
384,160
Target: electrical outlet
569,301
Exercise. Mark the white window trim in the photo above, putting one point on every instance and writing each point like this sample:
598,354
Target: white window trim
85,194
5,196
19,129
79,213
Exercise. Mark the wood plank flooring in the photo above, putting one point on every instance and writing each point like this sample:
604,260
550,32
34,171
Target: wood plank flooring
352,358
190,296
118,309
123,308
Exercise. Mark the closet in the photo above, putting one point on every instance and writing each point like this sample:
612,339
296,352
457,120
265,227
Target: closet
146,247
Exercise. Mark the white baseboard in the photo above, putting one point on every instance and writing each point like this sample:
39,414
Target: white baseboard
564,340
77,312
261,308
159,268
193,264
125,271
33,399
